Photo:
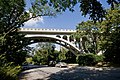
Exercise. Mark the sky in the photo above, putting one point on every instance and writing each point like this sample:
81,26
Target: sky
66,20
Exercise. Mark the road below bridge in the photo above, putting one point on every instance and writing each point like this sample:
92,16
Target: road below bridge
77,73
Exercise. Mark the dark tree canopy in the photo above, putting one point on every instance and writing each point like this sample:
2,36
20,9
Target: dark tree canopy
93,8
103,37
13,15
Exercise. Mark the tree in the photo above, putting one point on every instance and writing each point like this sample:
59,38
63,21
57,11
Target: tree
44,53
13,15
87,7
102,36
11,42
87,36
111,30
70,57
62,53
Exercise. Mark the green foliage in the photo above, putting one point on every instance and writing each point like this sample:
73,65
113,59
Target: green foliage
89,59
111,36
93,8
8,71
87,36
40,57
62,53
99,58
29,60
12,17
101,36
44,53
70,57
112,52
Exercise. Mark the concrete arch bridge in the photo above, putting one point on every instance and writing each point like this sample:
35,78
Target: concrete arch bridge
58,36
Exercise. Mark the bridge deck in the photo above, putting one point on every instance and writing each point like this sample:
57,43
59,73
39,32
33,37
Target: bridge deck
46,31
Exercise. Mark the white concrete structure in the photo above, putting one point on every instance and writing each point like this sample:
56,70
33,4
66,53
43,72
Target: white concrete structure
58,36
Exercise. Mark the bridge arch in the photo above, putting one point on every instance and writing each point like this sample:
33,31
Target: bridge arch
54,39
58,36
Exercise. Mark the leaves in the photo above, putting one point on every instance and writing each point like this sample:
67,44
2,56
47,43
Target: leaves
12,16
93,8
103,36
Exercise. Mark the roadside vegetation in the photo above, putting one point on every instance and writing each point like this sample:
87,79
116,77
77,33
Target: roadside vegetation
96,36
98,42
8,70
45,54
90,60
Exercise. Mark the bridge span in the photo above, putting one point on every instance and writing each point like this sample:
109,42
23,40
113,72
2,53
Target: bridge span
59,36
47,31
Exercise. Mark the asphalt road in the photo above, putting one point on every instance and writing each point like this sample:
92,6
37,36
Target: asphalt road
77,73
42,73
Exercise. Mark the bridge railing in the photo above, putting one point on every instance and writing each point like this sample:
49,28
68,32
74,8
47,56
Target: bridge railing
49,30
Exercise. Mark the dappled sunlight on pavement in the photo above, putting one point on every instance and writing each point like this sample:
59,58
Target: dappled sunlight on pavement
76,73
39,73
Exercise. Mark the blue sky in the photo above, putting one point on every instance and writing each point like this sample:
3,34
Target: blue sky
66,20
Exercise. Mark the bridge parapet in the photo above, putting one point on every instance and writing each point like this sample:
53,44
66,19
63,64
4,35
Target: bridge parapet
47,30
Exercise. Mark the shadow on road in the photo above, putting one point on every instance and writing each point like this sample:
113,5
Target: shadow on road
85,73
29,70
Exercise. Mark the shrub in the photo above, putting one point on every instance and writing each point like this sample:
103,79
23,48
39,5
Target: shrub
89,59
99,58
8,71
